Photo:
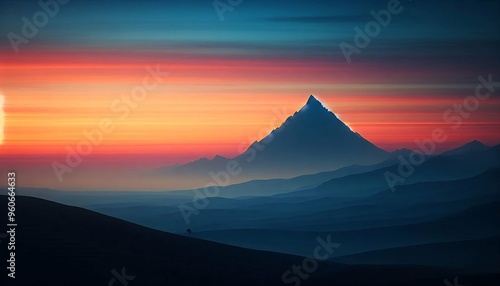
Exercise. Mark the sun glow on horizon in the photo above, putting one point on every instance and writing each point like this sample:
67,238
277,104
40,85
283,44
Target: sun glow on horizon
1,119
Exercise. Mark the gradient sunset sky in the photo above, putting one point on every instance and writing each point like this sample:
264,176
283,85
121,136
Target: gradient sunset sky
231,82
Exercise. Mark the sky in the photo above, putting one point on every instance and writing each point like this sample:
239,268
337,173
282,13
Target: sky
219,79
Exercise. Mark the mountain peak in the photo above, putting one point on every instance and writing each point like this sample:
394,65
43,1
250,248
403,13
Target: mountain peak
312,101
311,140
472,146
313,106
476,142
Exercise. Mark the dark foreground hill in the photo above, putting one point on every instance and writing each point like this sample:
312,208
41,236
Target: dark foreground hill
62,245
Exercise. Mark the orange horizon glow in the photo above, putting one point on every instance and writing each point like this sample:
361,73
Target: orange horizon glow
212,106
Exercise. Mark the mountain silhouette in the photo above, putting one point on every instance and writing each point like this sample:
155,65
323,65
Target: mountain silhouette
313,139
473,146
310,141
